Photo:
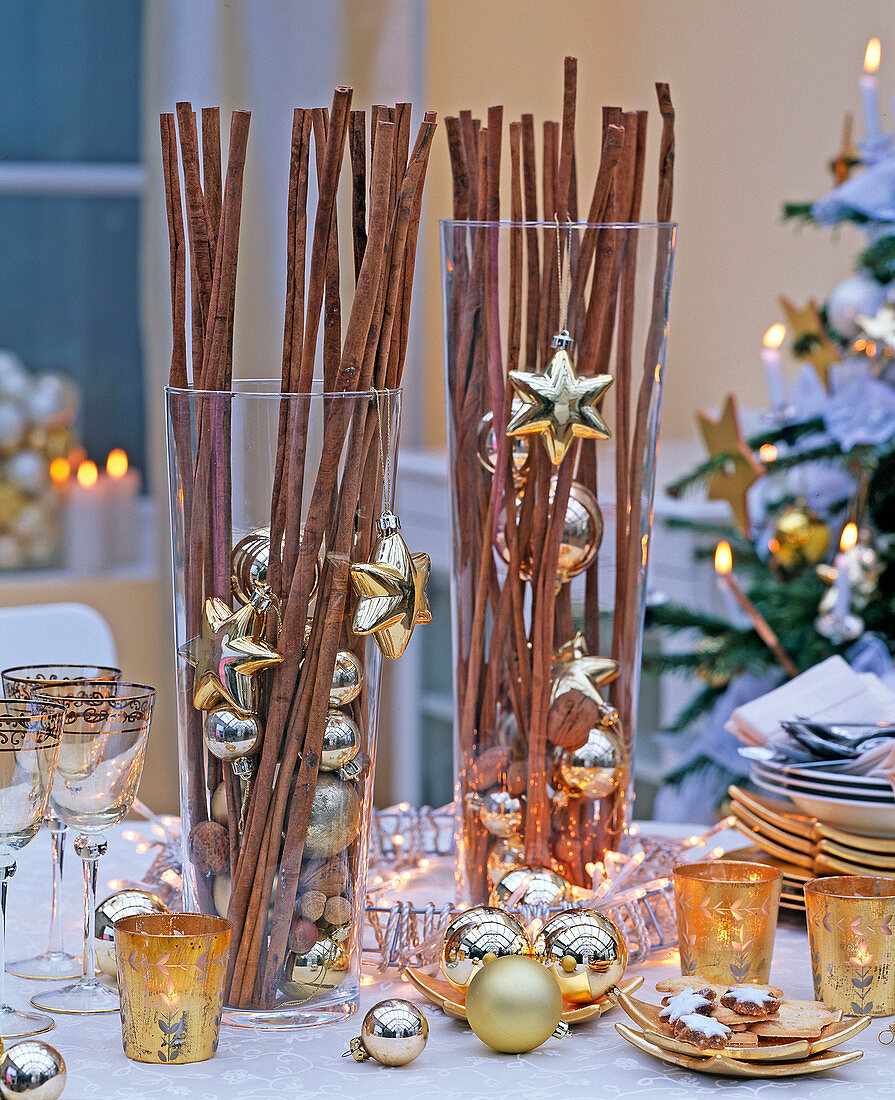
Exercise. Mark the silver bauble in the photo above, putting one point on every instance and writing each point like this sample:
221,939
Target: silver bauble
230,736
33,1070
317,971
585,952
53,401
12,427
394,1033
501,814
348,679
859,294
476,936
593,770
28,470
123,903
335,817
341,741
533,885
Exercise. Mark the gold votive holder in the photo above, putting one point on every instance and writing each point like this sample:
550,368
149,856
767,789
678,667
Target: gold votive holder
171,969
726,919
851,939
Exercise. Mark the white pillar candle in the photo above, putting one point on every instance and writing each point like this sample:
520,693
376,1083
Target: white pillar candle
869,96
772,360
86,540
842,607
123,488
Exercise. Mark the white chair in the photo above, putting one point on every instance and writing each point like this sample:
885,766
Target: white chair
55,633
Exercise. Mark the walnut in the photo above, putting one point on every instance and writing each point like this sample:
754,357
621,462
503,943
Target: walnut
210,848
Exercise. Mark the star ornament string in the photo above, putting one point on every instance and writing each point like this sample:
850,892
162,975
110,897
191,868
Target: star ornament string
391,588
559,405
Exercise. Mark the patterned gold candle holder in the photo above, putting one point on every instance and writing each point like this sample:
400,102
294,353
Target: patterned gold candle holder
851,937
171,969
726,919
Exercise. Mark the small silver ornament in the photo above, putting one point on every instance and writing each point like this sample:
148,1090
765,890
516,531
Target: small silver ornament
34,1070
316,971
501,814
348,679
123,903
229,736
394,1033
530,886
341,741
594,769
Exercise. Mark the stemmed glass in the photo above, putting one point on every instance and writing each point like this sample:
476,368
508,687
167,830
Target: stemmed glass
29,748
25,682
99,769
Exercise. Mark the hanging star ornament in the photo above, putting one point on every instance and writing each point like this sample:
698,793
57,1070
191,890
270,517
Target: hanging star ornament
560,404
810,339
741,468
392,590
229,653
574,670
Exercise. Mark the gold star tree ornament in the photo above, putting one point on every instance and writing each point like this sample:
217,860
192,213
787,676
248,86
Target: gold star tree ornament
574,670
228,654
809,335
741,468
560,404
392,590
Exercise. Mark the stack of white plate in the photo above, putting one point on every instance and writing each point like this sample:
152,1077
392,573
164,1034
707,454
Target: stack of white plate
860,803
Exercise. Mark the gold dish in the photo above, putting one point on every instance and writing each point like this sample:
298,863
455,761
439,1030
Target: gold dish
800,824
788,855
773,832
830,863
868,858
734,1067
788,870
452,1001
852,840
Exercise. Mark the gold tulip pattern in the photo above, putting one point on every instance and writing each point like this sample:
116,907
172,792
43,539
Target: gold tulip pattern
861,971
740,945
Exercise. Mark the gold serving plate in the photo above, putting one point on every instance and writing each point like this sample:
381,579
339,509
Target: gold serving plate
725,1066
452,1001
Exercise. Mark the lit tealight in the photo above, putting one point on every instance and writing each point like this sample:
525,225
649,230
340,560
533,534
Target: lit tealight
116,464
60,470
87,474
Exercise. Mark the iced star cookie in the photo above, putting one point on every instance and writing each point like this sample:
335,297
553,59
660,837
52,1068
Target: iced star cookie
750,1000
686,1002
702,1031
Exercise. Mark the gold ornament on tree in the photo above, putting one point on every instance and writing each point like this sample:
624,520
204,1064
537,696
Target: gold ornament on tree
741,468
808,333
394,1033
514,1004
800,539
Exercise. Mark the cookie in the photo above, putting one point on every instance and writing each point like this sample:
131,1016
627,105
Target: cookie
796,1020
702,1031
689,981
687,1001
750,1000
742,1039
731,1017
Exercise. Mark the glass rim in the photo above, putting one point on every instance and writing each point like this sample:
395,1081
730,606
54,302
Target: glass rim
142,691
766,872
17,672
818,886
127,925
51,709
277,394
509,223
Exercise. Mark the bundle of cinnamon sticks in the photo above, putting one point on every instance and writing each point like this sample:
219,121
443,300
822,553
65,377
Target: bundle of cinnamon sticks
312,538
511,614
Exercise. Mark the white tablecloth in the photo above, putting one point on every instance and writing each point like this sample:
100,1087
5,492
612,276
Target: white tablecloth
256,1065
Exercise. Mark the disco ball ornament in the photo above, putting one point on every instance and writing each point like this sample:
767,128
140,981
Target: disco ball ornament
593,770
530,886
584,951
348,679
394,1033
800,539
477,936
123,903
514,1005
317,971
32,1070
501,814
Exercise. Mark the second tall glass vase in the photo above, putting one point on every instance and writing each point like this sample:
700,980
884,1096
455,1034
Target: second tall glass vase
273,496
552,434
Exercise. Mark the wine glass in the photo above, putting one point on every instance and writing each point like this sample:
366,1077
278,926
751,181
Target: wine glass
29,748
100,763
25,682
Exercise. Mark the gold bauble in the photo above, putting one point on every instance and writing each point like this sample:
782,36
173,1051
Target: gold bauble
478,934
595,769
123,903
506,855
248,564
513,1004
317,971
487,446
800,538
584,951
348,679
709,647
341,741
394,1032
219,804
32,1070
501,814
335,817
535,886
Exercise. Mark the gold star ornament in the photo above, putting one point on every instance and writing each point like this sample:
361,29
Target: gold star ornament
228,654
808,332
559,405
741,468
574,670
392,590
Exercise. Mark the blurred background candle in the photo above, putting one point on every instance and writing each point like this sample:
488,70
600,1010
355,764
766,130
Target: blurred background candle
843,580
772,360
869,96
122,489
85,521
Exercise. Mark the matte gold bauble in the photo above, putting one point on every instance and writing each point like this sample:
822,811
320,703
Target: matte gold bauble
530,886
584,951
32,1070
394,1033
514,1004
321,969
335,817
123,903
593,770
348,679
476,935
341,741
501,814
800,538
506,855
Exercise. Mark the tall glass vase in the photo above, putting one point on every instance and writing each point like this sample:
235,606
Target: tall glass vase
273,496
553,416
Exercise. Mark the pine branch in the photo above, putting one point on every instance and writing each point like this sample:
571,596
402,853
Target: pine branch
799,211
879,259
674,617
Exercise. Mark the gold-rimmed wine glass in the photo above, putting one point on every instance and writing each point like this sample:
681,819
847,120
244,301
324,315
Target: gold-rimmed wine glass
25,682
29,748
101,756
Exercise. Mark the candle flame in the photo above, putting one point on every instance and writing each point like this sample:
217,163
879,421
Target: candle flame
116,463
872,56
849,536
60,468
723,558
774,337
767,452
87,474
